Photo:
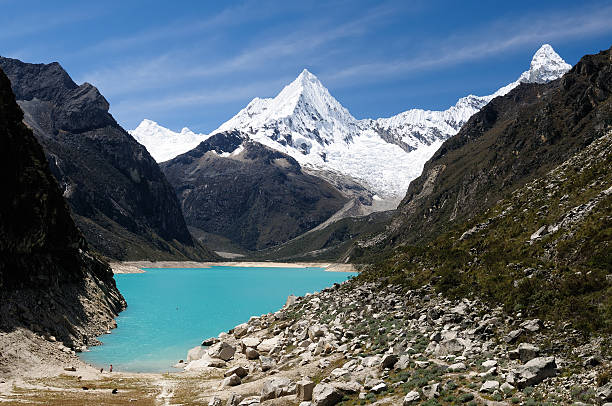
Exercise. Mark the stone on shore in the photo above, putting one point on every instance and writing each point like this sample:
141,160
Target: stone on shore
238,370
240,330
222,350
232,380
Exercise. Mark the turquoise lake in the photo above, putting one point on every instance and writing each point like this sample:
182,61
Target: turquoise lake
172,310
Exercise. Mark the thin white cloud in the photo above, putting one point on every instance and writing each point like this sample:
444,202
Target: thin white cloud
174,67
495,39
146,107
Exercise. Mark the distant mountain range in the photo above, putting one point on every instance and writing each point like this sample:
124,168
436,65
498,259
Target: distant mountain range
307,123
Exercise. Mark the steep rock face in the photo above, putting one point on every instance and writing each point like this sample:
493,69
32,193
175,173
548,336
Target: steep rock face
512,140
251,194
49,281
119,197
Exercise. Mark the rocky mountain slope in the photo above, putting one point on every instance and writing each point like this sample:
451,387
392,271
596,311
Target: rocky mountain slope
306,122
512,140
50,282
527,224
248,193
118,196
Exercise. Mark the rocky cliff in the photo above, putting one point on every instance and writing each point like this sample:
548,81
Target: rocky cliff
118,196
246,192
50,282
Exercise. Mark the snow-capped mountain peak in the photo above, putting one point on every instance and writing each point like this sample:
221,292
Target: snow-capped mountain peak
302,115
546,65
162,143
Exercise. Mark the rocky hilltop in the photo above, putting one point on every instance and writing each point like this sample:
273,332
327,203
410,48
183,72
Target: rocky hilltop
248,193
51,285
117,194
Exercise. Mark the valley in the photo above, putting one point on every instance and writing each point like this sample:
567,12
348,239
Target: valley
301,253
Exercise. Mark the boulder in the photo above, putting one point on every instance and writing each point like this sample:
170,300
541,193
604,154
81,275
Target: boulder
378,387
304,389
535,371
527,352
372,361
231,380
431,391
388,361
238,370
347,387
222,350
450,346
251,341
290,300
210,341
268,344
315,331
267,363
489,363
276,387
489,386
411,397
240,330
531,325
457,367
251,353
403,362
326,395
513,335
605,392
371,382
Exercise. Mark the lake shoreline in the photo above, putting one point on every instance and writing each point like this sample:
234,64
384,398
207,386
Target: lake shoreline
139,266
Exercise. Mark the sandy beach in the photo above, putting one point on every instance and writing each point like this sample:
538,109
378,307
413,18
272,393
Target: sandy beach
137,266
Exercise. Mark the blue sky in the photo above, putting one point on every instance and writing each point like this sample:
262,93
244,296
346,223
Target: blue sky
196,63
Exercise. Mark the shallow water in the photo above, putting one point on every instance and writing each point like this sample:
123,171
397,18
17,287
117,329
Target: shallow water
172,310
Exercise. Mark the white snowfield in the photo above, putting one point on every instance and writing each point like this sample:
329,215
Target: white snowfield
164,144
306,122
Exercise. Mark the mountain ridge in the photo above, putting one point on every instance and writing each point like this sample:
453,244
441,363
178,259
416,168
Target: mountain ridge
307,123
118,196
50,281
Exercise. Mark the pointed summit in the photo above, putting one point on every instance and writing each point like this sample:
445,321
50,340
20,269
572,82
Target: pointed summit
546,65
